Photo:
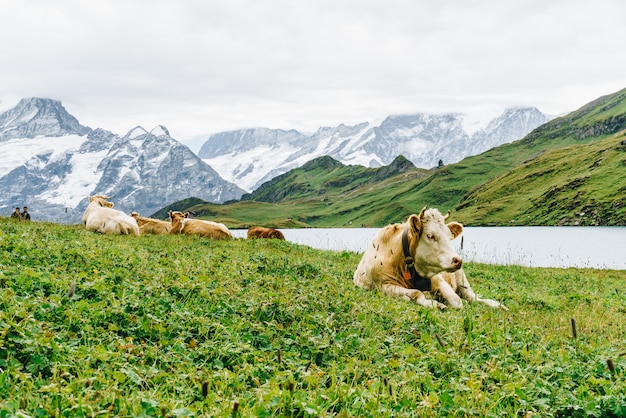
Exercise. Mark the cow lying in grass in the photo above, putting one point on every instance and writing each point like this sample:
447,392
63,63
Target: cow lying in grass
151,226
181,224
415,261
263,232
101,217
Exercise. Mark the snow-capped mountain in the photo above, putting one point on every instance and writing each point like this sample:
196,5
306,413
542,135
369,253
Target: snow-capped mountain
51,163
251,157
39,117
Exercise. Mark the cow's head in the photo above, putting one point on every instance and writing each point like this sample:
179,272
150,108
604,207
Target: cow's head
434,252
176,215
100,201
176,218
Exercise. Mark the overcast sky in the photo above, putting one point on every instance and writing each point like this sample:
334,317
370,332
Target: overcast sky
204,66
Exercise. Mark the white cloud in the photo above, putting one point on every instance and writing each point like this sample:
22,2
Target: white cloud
200,67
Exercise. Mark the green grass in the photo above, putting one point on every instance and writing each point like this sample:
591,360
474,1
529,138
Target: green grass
94,325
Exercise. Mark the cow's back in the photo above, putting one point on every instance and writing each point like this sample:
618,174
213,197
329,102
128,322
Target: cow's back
110,221
153,226
206,229
379,258
263,232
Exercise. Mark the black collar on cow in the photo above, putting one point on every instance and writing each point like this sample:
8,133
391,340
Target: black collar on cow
417,282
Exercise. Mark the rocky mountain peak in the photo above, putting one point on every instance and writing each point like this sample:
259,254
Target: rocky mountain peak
160,130
137,131
36,116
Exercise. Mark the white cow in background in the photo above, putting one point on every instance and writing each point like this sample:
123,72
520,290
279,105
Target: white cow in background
101,217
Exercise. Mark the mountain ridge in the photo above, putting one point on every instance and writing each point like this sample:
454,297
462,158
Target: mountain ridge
251,157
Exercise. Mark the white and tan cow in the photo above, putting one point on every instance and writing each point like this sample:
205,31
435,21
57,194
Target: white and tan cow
151,226
181,224
416,261
101,217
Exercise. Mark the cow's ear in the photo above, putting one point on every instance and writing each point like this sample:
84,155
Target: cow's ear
416,223
456,229
186,214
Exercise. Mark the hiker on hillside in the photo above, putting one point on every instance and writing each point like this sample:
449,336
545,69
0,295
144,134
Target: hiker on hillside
25,215
16,215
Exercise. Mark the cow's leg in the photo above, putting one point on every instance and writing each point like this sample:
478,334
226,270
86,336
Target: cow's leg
441,288
412,295
468,294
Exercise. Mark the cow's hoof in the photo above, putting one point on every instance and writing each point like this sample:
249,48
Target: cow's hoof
439,305
495,304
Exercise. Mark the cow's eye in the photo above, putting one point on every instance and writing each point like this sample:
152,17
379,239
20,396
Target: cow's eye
431,237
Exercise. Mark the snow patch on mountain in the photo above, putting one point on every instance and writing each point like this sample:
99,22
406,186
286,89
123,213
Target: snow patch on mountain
479,119
80,181
244,166
17,151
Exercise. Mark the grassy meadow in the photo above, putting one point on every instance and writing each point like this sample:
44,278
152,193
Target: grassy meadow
94,325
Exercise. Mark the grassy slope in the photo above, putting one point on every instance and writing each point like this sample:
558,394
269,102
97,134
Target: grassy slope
490,188
576,185
280,330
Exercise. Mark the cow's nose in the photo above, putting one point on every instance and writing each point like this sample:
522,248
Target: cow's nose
457,262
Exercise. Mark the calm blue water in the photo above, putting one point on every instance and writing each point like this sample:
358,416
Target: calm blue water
541,246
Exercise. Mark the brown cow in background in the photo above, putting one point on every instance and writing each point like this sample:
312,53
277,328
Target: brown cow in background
151,226
263,232
181,224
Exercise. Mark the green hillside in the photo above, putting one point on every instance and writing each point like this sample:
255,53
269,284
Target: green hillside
576,185
569,171
327,175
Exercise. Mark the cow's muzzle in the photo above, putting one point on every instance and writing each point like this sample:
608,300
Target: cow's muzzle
457,263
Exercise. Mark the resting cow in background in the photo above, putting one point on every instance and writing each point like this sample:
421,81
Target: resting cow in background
263,232
415,261
151,226
181,224
101,217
